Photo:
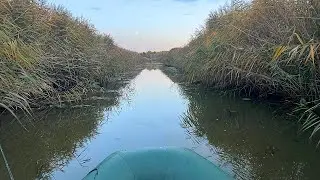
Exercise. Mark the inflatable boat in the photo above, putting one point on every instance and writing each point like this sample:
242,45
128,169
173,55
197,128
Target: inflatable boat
157,164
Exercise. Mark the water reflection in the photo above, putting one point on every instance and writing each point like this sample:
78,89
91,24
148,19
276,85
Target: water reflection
242,137
53,138
49,144
248,138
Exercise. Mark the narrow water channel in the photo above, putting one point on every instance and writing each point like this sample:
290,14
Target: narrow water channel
244,138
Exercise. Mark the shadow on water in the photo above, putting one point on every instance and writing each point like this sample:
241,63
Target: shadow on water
248,138
54,136
244,138
50,142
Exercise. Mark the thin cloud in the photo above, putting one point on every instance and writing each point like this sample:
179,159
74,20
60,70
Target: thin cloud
188,14
95,8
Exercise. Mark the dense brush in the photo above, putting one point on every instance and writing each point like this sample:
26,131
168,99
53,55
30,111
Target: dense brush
48,56
262,48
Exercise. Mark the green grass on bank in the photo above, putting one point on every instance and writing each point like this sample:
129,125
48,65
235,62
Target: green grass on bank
48,56
261,48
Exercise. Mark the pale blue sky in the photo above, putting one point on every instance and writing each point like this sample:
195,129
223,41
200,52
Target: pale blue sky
143,25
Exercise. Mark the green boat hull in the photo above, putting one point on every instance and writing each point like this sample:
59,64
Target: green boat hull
157,164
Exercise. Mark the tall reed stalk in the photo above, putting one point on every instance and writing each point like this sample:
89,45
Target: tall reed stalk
47,56
262,48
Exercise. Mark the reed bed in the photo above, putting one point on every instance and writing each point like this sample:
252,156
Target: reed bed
47,56
262,48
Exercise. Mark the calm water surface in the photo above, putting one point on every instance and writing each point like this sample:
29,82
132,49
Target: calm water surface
245,139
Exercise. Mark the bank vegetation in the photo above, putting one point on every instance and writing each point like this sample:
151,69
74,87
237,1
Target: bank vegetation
261,48
47,56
